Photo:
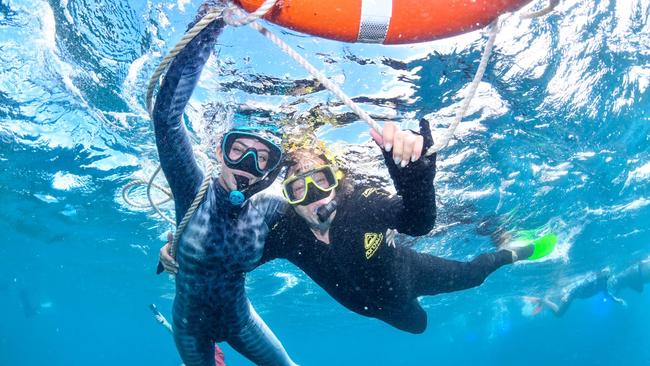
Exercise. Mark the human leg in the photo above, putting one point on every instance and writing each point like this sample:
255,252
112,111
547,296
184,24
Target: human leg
410,318
435,275
258,343
195,350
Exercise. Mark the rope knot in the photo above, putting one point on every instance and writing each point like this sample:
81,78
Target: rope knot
235,16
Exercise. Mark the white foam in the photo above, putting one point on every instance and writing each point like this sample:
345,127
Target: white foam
66,181
132,85
46,198
639,174
66,12
115,160
182,4
634,205
144,249
290,281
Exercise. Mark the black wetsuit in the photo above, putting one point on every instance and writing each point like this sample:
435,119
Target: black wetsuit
634,277
590,285
361,270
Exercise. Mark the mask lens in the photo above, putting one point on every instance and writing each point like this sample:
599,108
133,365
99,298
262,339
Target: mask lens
240,146
324,178
236,151
296,188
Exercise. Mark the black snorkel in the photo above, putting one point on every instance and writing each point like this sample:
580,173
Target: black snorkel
325,211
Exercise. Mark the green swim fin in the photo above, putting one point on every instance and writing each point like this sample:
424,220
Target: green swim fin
543,246
523,240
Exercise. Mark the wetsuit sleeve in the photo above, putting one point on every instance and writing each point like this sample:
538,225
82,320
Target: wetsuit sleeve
270,205
174,146
413,210
414,207
276,242
273,207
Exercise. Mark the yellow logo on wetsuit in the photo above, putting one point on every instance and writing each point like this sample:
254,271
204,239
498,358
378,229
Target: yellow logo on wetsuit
368,192
371,243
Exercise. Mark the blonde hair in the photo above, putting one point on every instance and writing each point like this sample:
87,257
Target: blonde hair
305,151
303,160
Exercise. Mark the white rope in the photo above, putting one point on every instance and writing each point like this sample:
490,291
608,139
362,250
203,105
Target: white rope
310,68
187,38
128,188
126,194
460,114
229,14
552,4
203,189
151,201
235,16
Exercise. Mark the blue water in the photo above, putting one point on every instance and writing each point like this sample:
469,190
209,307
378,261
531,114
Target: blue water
559,133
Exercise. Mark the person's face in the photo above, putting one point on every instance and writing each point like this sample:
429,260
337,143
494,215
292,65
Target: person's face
239,147
308,212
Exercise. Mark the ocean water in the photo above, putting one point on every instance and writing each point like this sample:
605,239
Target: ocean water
558,136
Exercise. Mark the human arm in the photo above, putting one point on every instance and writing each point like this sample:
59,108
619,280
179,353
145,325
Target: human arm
413,210
551,305
174,146
273,207
168,262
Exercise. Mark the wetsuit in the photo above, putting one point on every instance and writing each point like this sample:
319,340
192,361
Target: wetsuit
591,285
361,270
634,277
221,242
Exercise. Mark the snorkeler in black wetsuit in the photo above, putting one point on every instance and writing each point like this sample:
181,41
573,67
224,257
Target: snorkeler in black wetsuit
347,249
339,235
634,277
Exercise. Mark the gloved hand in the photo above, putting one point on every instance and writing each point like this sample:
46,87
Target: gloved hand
406,146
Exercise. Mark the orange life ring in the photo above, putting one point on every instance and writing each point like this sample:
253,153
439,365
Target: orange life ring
384,21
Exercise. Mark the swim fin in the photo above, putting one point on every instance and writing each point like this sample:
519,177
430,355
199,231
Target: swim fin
543,246
529,246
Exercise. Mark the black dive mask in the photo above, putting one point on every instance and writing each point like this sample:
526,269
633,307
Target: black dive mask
247,164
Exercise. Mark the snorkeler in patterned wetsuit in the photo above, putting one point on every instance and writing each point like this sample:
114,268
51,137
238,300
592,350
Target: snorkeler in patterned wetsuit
605,282
225,237
346,247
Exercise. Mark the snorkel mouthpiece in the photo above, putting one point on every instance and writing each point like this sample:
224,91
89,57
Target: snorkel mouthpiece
237,197
325,211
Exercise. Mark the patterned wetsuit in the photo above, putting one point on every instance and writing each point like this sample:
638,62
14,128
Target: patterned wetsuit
221,242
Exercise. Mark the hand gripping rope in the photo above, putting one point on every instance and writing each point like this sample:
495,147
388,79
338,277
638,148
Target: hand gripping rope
232,11
235,16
